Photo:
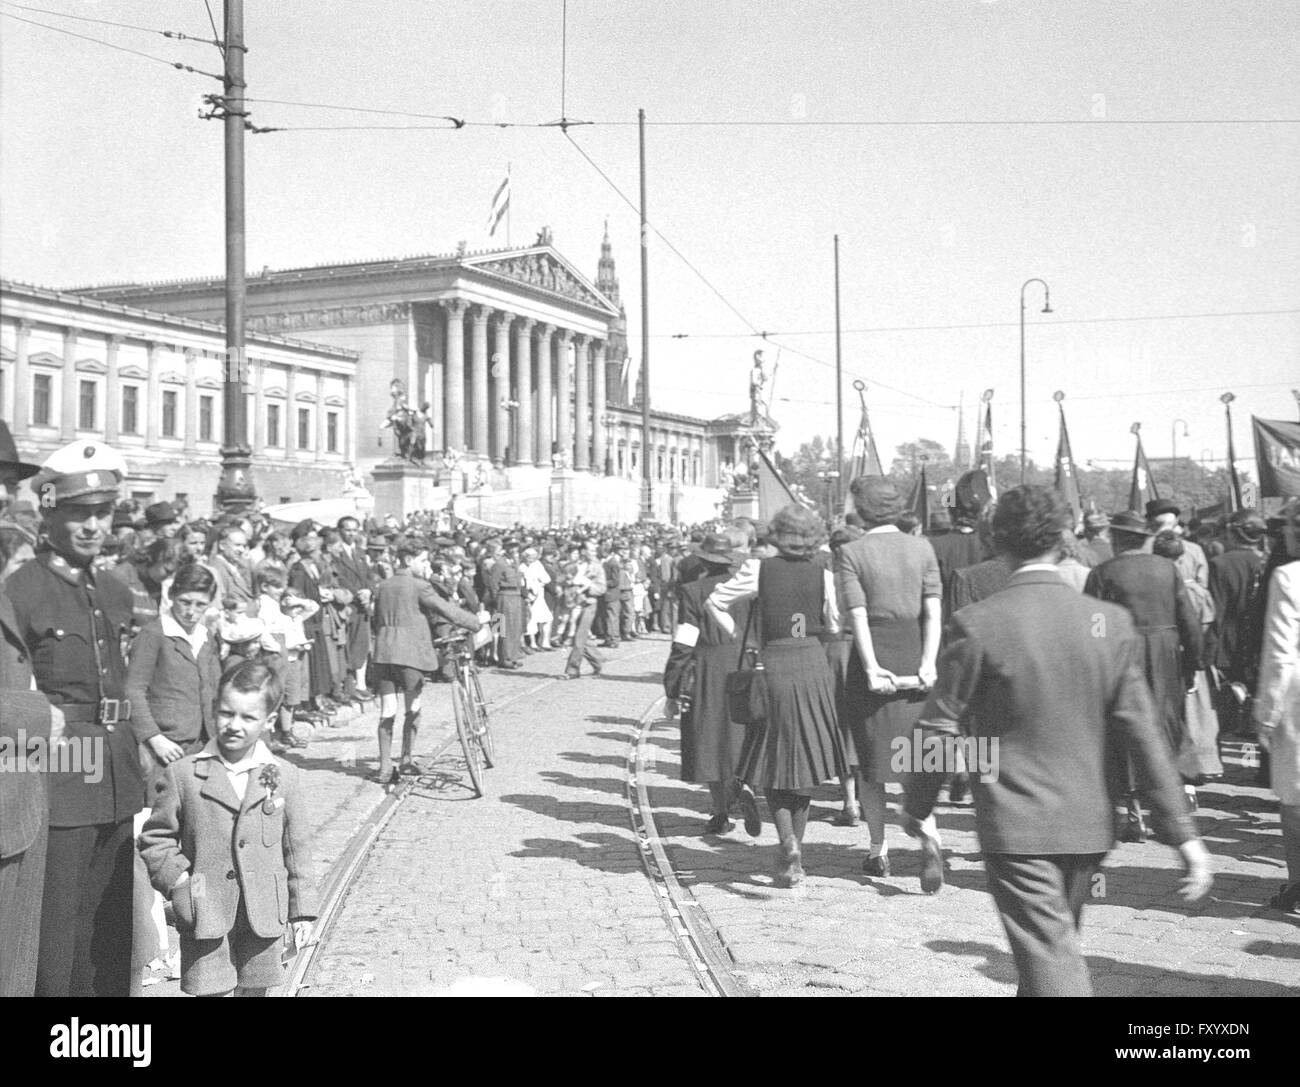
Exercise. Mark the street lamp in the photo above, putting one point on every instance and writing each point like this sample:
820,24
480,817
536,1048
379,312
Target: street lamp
1173,467
510,407
831,478
607,421
1047,308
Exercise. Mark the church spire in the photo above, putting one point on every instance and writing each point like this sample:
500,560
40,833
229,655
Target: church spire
606,276
961,455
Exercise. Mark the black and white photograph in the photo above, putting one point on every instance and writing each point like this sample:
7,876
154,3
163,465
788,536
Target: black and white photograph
667,498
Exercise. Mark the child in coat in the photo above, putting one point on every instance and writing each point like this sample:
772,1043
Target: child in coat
230,843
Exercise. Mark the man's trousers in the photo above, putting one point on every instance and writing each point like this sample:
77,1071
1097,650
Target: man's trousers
87,913
22,884
582,647
1040,898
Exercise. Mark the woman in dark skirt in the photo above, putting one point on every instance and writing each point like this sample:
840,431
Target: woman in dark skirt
890,584
839,655
696,675
798,746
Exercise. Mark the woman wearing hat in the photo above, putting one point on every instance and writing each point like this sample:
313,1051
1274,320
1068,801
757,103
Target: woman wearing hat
798,746
1152,590
702,655
890,583
1277,704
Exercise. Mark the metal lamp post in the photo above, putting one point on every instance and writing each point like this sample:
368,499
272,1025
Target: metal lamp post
1173,464
607,421
1047,308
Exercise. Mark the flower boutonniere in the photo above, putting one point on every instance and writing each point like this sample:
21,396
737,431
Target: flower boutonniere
269,779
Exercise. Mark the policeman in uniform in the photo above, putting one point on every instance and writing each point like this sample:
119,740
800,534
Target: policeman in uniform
76,625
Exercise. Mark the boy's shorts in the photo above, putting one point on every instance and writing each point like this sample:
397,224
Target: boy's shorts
240,959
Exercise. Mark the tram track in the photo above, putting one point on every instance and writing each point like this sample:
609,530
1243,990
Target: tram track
697,939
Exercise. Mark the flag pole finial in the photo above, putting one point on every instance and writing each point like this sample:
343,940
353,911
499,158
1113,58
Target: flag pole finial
987,395
1227,398
1058,396
1135,428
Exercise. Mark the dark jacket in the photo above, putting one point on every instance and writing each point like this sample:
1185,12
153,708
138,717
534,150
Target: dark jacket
75,625
171,691
1057,679
402,634
1236,584
24,800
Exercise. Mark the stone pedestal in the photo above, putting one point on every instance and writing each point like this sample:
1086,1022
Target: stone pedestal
744,503
401,488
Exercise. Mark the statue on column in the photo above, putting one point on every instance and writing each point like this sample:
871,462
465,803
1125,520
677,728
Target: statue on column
757,379
408,425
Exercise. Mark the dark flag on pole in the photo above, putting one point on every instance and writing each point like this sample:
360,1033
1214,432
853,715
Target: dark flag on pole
865,460
986,442
1234,482
919,500
1277,457
1143,488
1067,483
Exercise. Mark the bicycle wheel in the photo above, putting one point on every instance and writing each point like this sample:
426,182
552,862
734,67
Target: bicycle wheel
483,730
468,741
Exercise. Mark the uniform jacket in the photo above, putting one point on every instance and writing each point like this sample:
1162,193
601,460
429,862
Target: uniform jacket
231,849
24,799
502,578
171,691
1056,678
75,624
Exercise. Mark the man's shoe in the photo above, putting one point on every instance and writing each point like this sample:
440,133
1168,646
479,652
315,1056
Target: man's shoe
719,824
571,675
749,806
877,866
931,865
409,769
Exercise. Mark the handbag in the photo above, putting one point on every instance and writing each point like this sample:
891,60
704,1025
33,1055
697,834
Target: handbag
747,687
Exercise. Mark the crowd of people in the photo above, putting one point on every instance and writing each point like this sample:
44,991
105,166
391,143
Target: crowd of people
1100,670
1108,665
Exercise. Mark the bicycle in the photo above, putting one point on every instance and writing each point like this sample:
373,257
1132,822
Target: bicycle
470,708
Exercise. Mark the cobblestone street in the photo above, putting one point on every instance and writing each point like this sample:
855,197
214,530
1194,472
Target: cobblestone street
541,882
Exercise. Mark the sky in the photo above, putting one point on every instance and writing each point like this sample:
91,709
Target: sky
1171,248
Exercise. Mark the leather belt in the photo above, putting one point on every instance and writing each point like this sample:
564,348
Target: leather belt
107,711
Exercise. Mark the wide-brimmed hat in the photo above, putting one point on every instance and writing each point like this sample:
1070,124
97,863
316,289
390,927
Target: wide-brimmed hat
1248,525
9,462
160,513
1131,522
716,548
1157,506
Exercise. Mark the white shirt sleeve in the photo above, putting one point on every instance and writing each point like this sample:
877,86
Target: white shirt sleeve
831,610
742,585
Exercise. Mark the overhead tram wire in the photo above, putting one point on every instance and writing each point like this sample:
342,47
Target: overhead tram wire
176,35
120,48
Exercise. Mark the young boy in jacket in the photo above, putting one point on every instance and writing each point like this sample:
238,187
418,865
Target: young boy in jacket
229,842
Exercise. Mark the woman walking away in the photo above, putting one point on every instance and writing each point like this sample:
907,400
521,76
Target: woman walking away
797,747
1277,704
696,678
891,585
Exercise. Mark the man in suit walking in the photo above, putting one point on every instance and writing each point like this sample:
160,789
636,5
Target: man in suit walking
1055,679
27,725
353,572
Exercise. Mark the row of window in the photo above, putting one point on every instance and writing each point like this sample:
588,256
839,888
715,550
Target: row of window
129,419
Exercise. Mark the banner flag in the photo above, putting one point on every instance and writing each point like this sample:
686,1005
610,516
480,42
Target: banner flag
1143,488
986,443
500,205
1067,483
1277,457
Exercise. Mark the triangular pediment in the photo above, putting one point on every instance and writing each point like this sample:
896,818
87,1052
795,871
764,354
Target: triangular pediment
543,269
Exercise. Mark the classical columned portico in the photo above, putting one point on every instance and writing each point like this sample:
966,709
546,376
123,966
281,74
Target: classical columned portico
500,387
545,362
581,405
598,406
524,391
479,396
454,382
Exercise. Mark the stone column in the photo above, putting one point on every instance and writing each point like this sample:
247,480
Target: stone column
563,393
152,400
257,376
290,423
437,404
112,390
454,381
524,390
322,432
191,401
500,387
479,441
545,334
68,422
581,405
598,406
22,379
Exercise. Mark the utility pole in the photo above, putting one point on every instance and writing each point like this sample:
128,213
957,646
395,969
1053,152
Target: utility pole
839,397
647,491
235,491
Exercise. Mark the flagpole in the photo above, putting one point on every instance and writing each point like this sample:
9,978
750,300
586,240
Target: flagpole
509,194
1234,484
647,487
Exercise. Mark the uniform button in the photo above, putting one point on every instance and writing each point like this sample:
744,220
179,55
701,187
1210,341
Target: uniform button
230,874
109,727
98,612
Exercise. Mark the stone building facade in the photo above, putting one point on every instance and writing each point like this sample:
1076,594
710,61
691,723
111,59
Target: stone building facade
150,385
